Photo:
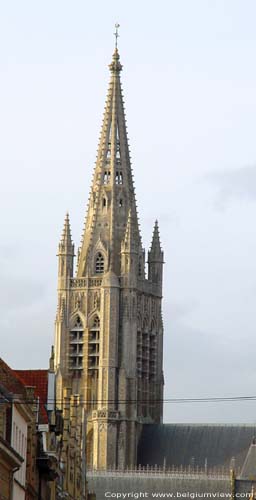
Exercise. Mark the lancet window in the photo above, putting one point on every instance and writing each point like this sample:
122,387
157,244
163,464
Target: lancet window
106,177
94,345
119,177
99,263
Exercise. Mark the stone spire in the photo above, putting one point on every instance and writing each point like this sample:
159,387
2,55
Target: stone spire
66,252
130,251
112,193
66,246
155,251
130,241
156,259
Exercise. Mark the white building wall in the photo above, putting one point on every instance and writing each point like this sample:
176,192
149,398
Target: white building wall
19,443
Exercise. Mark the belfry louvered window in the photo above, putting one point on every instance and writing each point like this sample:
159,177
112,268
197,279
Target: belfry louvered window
94,345
76,345
99,263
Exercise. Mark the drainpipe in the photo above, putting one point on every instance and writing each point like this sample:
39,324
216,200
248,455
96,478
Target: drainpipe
12,481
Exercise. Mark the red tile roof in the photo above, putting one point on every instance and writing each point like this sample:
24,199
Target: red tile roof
39,380
11,380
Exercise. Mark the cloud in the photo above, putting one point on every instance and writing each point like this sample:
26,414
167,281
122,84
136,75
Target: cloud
234,184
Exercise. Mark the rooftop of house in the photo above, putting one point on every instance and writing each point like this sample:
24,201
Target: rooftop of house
38,379
11,381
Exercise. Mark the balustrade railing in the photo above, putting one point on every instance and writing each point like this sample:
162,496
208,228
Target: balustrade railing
174,471
85,282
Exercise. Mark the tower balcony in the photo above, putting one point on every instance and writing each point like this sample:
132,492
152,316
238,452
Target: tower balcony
85,282
105,414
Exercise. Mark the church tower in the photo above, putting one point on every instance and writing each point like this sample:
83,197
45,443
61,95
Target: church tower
109,332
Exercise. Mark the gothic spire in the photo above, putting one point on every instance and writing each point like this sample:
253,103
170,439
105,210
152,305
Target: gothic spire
66,245
112,193
130,241
155,249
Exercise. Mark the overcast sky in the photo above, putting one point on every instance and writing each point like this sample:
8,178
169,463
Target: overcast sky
189,82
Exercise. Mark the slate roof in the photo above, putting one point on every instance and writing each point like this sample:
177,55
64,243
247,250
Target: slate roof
191,444
141,484
249,468
183,445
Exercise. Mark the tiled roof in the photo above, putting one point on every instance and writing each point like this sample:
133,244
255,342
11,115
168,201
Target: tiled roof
39,380
11,380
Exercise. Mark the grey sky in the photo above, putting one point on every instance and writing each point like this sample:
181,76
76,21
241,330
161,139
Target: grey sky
189,84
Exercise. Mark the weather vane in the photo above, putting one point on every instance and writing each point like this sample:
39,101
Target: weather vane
117,26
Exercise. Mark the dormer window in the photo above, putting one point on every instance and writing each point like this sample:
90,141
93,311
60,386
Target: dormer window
99,264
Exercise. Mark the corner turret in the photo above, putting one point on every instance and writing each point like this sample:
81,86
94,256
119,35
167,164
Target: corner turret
66,253
156,259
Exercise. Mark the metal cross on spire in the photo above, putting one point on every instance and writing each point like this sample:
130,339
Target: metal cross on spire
117,26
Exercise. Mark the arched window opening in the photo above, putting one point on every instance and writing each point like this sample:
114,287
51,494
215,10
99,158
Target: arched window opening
94,345
120,203
119,177
109,150
99,264
76,341
106,177
118,155
104,202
